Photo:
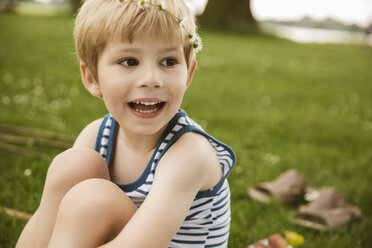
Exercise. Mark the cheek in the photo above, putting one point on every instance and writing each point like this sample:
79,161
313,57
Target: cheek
113,94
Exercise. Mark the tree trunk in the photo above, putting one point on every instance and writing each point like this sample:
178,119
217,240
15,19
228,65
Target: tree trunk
8,5
224,13
76,5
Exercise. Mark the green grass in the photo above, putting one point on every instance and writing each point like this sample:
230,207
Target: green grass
279,104
40,9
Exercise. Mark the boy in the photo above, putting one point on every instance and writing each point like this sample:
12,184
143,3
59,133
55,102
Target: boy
145,175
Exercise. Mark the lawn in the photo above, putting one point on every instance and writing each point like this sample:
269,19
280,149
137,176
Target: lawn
278,104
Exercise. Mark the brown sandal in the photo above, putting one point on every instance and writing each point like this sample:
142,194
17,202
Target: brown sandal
328,211
289,187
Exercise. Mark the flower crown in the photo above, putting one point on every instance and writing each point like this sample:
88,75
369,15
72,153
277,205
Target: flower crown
194,38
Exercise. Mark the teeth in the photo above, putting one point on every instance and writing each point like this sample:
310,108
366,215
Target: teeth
149,103
146,103
155,106
146,111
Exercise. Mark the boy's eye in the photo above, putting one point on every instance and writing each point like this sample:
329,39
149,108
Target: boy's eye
169,62
129,62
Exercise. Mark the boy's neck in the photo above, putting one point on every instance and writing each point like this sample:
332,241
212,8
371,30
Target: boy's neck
139,143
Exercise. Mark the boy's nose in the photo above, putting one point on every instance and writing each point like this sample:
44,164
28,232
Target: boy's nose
150,78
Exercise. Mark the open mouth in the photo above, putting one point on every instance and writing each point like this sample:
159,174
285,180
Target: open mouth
146,107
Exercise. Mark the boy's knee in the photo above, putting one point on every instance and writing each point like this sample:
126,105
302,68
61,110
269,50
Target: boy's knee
92,197
75,165
96,203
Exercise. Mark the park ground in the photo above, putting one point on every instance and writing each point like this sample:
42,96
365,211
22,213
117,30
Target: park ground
280,105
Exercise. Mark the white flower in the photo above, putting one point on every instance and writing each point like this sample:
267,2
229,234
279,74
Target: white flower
272,158
162,5
182,22
143,4
121,2
196,42
27,172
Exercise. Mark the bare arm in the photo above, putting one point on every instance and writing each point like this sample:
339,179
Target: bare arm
87,137
189,166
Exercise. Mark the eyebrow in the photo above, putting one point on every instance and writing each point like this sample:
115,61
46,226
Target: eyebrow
170,49
134,49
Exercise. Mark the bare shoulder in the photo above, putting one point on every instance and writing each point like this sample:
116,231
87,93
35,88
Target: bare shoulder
197,158
87,137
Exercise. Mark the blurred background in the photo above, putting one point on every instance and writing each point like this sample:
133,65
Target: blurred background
329,21
286,83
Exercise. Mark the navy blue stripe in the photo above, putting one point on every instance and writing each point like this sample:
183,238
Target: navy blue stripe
205,218
100,132
191,228
222,206
192,215
201,204
193,234
189,241
217,245
220,227
222,190
218,236
141,191
111,140
221,200
218,216
199,227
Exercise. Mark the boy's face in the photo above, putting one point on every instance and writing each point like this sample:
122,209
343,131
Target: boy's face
142,83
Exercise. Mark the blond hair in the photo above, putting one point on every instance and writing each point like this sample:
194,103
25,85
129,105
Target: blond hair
98,21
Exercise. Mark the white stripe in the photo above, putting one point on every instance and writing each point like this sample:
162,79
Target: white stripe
162,146
104,141
217,240
169,136
182,120
224,152
157,156
103,151
177,128
109,122
106,131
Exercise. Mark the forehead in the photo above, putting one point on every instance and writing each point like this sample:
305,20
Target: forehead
143,44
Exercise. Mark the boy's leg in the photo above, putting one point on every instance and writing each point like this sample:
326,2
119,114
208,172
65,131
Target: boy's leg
66,170
92,213
27,236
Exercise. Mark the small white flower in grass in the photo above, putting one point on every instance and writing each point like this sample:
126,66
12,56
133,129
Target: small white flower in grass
196,42
271,158
8,78
27,172
162,5
143,4
6,100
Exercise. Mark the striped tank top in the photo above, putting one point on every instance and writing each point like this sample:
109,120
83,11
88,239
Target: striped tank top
207,223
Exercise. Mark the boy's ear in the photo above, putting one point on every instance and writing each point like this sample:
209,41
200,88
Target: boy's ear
90,83
191,72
